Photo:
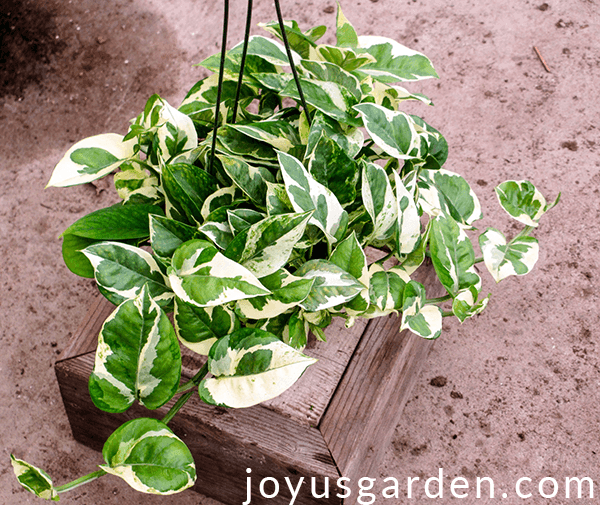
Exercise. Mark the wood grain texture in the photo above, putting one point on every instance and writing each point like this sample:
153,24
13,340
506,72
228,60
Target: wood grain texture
366,407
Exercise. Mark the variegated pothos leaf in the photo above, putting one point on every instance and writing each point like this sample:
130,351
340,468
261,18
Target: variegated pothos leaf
523,201
34,479
423,320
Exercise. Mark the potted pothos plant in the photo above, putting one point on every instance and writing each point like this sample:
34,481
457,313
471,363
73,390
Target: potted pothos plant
246,213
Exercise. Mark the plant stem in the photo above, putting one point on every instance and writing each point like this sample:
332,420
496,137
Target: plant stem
220,86
185,387
478,260
447,313
291,60
243,61
78,482
441,299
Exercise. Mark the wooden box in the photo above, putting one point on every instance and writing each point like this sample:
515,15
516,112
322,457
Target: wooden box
337,420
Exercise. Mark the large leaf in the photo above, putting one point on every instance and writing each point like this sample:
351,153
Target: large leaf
306,194
73,257
137,358
266,246
122,270
117,222
202,276
279,134
187,187
379,200
333,285
250,366
452,255
394,62
349,256
147,455
423,320
395,132
442,191
333,168
287,292
34,479
523,201
517,257
198,328
329,72
91,158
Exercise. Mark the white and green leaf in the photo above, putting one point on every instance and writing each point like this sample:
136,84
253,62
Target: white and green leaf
251,366
466,303
422,319
137,358
306,194
345,33
92,158
503,259
379,200
202,276
408,231
147,455
252,180
122,270
350,139
34,479
386,289
523,201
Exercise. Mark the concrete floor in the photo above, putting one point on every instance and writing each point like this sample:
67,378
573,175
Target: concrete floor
513,393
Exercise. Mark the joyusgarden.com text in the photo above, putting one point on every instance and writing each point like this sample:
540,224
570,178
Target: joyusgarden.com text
366,490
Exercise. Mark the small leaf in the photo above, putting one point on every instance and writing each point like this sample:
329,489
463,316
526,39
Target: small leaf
423,320
34,479
149,457
350,140
523,201
379,200
408,231
466,305
137,358
250,179
345,32
250,366
91,159
518,257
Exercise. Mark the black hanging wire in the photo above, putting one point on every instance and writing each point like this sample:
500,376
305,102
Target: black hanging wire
243,61
220,85
289,55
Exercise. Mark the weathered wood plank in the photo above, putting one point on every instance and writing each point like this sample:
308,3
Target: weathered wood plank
224,442
366,407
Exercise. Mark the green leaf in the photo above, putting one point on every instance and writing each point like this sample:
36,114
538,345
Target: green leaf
345,32
198,328
187,187
280,134
394,62
90,159
241,219
395,132
166,235
452,255
333,168
344,57
287,292
278,201
466,305
379,200
73,257
149,457
518,257
329,72
250,366
137,358
386,290
34,479
442,191
266,246
117,222
202,276
122,270
523,201
295,334
423,320
306,194
333,285
350,140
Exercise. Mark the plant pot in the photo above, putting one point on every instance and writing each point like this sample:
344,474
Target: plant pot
337,420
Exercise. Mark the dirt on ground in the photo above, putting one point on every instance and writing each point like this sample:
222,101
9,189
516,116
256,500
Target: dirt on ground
512,393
